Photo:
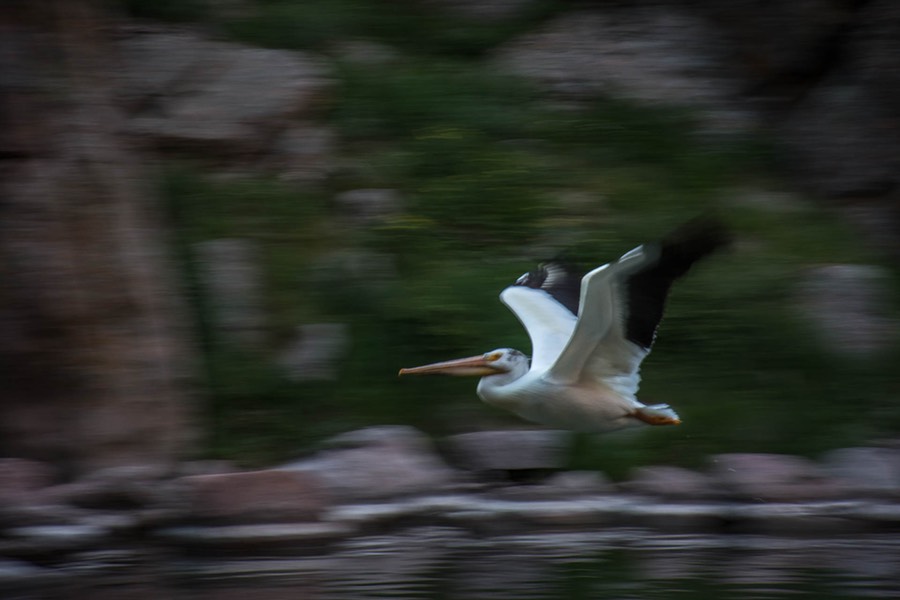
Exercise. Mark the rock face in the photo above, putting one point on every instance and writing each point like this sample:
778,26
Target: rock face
21,478
827,92
843,135
674,483
369,206
388,480
493,10
91,332
512,450
378,462
866,470
313,355
842,138
772,477
848,307
305,154
255,496
190,92
232,280
755,31
654,54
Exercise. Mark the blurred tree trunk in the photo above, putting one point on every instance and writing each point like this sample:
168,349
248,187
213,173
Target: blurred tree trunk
92,349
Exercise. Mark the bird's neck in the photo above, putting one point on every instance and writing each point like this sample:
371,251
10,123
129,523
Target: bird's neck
495,389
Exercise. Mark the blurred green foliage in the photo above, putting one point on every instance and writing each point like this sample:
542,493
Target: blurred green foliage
410,25
495,177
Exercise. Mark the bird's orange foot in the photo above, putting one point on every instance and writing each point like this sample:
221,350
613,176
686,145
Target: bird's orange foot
654,416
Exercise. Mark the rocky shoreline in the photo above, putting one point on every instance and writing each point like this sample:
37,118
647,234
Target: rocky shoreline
391,479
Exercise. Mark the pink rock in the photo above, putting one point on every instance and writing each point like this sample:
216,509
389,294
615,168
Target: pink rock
387,461
107,494
868,471
671,482
21,478
255,496
773,477
510,450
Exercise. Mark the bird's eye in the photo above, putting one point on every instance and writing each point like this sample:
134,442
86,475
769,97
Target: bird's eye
494,356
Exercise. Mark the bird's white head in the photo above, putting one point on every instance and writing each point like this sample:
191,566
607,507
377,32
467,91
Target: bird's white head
495,362
508,360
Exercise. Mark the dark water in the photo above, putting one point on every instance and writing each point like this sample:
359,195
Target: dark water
445,563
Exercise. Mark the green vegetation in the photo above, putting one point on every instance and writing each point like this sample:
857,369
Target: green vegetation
494,177
410,25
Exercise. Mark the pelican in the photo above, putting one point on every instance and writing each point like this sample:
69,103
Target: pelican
588,337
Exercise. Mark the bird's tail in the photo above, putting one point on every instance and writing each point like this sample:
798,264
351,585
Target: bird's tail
657,414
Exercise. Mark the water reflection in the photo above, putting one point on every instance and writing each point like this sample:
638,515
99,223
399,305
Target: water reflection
447,563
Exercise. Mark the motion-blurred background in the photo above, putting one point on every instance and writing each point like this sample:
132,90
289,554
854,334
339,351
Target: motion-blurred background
226,225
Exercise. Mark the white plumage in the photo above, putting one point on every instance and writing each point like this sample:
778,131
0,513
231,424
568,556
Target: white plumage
588,336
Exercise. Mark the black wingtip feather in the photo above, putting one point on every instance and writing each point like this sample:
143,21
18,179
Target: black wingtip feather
692,241
558,279
649,287
646,289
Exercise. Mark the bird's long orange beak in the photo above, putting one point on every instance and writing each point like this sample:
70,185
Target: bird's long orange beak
472,366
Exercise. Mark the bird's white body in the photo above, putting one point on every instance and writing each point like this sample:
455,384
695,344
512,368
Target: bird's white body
591,407
584,373
586,355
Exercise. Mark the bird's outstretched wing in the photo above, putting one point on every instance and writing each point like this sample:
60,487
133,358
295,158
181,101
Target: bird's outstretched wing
621,305
559,280
546,303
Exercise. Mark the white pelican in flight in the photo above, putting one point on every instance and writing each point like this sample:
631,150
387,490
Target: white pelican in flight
588,336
